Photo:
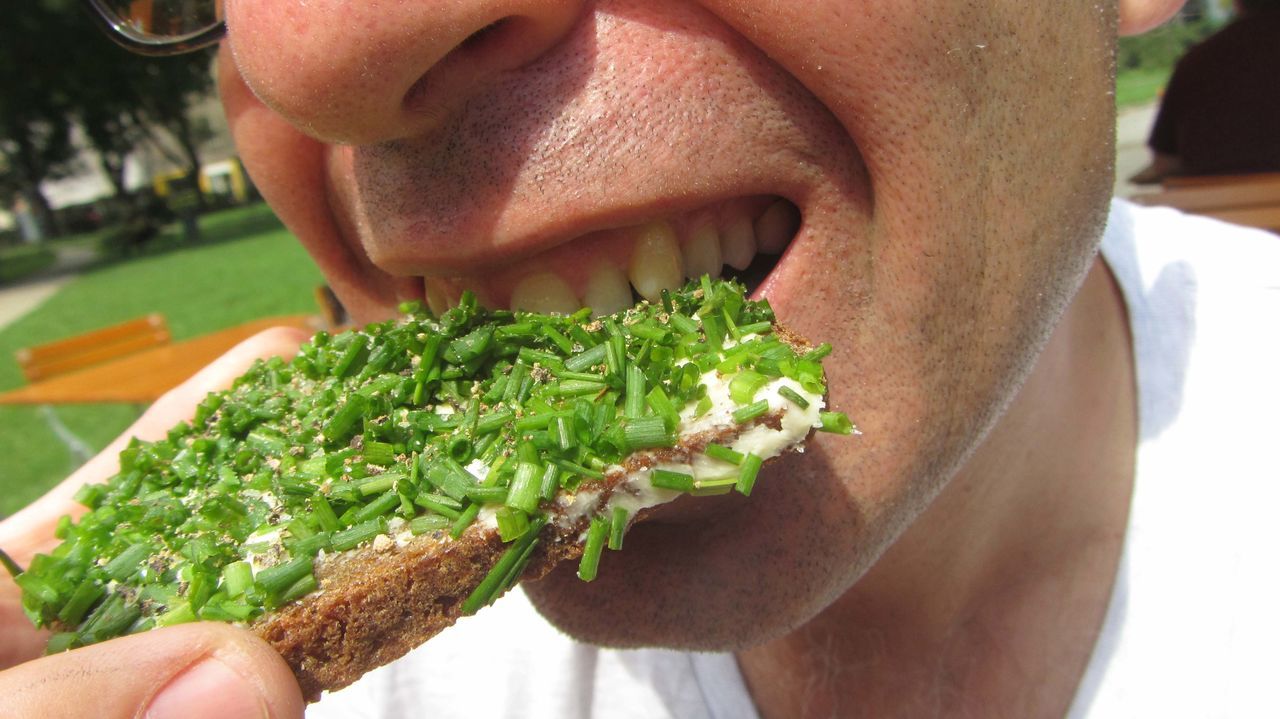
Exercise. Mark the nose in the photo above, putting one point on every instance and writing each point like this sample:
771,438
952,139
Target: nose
362,71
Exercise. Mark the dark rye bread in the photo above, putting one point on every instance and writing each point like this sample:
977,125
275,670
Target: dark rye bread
378,602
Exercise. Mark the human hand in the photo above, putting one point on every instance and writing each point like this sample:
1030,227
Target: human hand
190,670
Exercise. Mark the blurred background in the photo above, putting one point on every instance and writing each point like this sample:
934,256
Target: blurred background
121,197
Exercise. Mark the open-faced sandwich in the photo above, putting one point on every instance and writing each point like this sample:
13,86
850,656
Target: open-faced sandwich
350,503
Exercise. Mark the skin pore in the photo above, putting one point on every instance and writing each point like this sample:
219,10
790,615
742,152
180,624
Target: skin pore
949,166
1018,553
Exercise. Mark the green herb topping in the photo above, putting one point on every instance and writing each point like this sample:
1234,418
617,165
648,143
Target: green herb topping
408,427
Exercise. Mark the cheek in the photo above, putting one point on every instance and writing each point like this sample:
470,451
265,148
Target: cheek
290,170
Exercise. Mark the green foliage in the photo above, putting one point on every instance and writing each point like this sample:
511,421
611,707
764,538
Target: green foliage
1160,49
22,260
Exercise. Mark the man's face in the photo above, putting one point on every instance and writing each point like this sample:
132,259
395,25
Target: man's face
949,163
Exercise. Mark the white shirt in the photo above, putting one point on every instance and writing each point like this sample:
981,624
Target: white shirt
1193,628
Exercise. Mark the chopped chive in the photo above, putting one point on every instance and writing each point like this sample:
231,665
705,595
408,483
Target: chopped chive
550,483
351,538
526,487
531,356
722,453
110,619
61,642
577,388
379,453
744,385
435,503
597,535
818,352
273,581
713,486
427,523
297,590
647,331
794,396
341,425
312,545
323,512
378,507
494,581
564,435
755,328
460,449
747,473
634,403
742,415
573,468
493,422
647,433
180,614
666,300
667,479
487,495
617,527
715,330
683,325
587,358
663,407
512,523
835,422
520,329
89,494
464,520
377,485
236,578
560,341
127,562
81,600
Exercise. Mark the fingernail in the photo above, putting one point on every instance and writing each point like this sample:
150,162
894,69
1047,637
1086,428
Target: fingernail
208,689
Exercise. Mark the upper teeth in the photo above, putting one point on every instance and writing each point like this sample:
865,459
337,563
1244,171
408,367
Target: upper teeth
661,258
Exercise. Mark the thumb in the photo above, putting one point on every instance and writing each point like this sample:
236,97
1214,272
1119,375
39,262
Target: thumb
189,671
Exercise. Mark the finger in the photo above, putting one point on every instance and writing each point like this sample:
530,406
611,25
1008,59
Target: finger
30,530
189,671
21,640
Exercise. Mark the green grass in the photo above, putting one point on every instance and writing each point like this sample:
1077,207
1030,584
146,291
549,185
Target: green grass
1140,86
247,266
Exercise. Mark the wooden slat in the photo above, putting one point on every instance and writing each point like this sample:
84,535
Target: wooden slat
90,348
1251,200
144,376
1267,218
1256,178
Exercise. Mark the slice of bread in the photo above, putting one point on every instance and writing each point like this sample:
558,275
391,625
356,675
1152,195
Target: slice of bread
349,504
380,601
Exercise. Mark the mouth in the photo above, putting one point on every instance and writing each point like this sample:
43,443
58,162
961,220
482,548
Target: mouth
742,238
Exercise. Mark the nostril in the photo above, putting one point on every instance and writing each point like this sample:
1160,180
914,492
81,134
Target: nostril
479,37
505,44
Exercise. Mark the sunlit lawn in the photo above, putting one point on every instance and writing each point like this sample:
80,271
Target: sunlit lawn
247,266
1138,87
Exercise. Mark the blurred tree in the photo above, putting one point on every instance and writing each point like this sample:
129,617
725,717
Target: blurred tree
35,117
56,70
124,99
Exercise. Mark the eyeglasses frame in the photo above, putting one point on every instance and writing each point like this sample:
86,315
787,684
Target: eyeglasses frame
130,39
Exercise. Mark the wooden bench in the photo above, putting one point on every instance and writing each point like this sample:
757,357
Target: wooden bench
1251,200
91,348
